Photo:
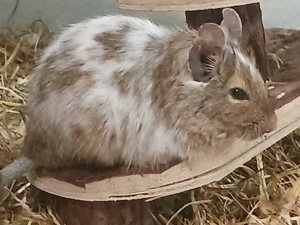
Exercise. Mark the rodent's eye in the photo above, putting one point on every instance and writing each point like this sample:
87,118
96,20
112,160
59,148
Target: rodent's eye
238,94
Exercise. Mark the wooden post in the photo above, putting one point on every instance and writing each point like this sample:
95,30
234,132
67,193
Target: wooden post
253,29
134,212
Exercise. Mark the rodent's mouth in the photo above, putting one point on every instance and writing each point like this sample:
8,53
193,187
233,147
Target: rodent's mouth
252,131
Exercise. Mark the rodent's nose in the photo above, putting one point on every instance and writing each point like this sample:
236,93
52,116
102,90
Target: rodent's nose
272,123
268,129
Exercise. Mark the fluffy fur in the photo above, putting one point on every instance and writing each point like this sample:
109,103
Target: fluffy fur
122,90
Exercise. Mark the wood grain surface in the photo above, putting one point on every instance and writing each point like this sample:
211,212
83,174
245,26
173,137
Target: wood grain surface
179,5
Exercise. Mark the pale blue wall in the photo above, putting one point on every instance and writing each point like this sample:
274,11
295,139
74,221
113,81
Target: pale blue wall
58,13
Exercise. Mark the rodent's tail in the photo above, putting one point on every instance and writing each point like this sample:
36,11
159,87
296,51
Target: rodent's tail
14,171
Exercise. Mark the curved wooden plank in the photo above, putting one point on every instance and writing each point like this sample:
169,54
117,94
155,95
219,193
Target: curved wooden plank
182,177
179,5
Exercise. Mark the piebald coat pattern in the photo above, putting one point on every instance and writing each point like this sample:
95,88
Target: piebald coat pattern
122,90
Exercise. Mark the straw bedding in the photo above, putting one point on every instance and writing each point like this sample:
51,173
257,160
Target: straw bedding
263,191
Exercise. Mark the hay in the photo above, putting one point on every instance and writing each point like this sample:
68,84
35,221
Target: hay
264,191
18,54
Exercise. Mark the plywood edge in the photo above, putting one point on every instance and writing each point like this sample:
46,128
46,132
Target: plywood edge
179,178
178,5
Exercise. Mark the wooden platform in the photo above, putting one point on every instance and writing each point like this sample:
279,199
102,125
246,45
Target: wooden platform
123,184
179,5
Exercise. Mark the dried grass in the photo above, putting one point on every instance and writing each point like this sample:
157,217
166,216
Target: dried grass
263,191
18,54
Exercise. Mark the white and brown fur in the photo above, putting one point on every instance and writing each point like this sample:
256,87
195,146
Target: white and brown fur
122,90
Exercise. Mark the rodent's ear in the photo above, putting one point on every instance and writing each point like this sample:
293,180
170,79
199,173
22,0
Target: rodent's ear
251,54
211,39
232,25
197,65
209,44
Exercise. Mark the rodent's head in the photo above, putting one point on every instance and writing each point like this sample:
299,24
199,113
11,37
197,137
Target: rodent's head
235,93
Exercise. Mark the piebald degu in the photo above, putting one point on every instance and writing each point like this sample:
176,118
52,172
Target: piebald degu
122,90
